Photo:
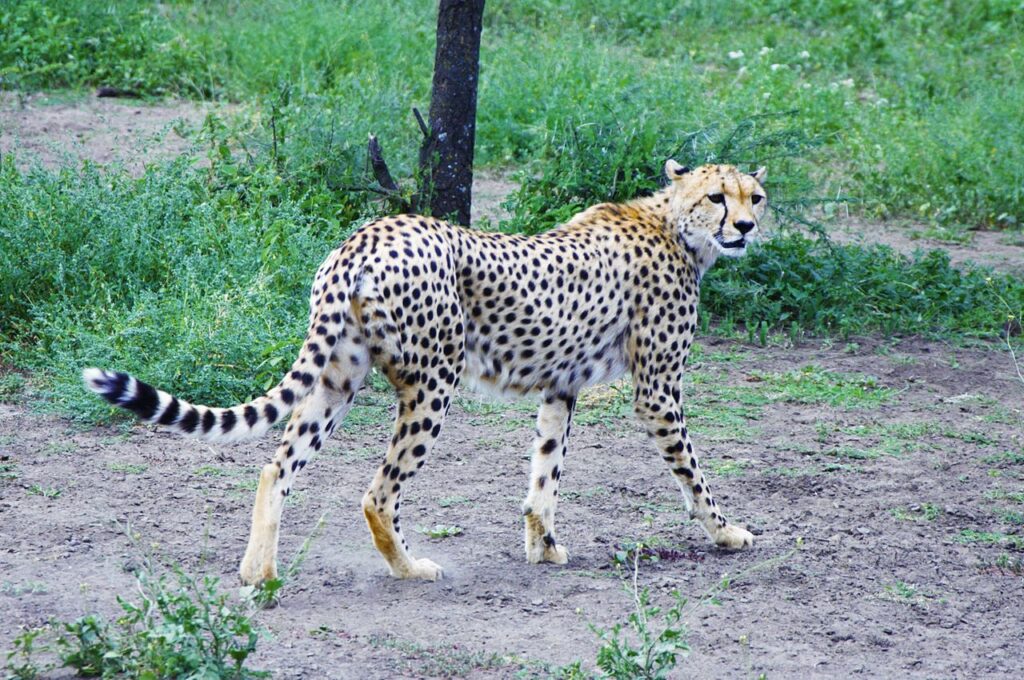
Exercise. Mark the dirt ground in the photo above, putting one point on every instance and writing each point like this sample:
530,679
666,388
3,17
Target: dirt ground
909,565
883,478
56,127
1002,250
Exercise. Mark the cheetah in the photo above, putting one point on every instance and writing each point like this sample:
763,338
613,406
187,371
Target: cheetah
431,304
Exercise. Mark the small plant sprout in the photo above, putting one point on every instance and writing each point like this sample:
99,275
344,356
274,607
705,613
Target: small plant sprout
656,653
440,531
46,492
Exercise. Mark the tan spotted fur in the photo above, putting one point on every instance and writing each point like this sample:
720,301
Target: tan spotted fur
433,305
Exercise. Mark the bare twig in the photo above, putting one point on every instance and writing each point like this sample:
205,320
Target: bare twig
423,126
1012,318
1013,357
380,167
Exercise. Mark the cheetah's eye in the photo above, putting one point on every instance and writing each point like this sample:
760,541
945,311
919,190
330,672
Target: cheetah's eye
716,198
756,198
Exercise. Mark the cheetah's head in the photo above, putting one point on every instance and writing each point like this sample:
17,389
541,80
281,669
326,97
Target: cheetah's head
716,208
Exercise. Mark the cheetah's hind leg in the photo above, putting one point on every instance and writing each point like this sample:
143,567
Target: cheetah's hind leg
311,424
421,413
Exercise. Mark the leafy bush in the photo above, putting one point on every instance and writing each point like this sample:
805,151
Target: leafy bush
791,280
611,160
916,102
655,653
182,627
210,266
126,45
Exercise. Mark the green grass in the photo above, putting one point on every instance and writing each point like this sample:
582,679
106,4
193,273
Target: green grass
915,103
46,492
991,537
1004,495
12,385
725,468
196,279
440,531
815,385
926,512
1012,517
60,448
8,472
1005,458
211,471
128,468
20,589
1004,564
183,626
128,45
906,593
103,269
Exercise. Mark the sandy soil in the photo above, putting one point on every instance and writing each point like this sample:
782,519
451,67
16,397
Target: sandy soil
1000,250
133,132
908,513
880,587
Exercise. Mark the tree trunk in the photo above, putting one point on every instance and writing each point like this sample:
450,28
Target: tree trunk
446,157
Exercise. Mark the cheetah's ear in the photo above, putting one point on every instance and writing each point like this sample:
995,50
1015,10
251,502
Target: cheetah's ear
674,171
760,174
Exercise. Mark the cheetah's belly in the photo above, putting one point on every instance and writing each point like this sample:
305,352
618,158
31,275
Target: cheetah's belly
523,368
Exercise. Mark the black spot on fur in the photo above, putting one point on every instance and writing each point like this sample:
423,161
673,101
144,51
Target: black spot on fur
209,420
190,421
144,402
170,414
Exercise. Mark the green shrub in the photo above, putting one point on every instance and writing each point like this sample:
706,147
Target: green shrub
127,45
611,160
196,279
660,641
791,280
916,102
183,626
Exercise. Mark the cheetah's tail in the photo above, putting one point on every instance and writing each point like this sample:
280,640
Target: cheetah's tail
243,421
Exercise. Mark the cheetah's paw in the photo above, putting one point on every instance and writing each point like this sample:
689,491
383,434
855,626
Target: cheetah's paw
424,569
538,552
556,554
733,537
253,573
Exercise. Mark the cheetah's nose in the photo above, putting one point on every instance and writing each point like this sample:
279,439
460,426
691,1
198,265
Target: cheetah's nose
744,226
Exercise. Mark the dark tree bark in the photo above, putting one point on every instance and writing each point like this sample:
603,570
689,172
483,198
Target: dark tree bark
446,157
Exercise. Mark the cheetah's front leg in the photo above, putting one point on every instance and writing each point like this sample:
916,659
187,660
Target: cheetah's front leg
553,424
663,418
